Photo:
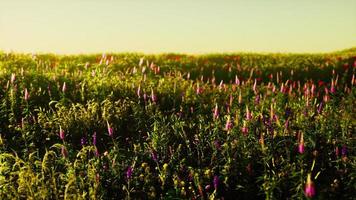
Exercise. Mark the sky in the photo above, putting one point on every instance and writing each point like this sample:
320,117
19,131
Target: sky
184,26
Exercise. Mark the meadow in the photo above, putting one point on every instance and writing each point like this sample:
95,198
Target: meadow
175,126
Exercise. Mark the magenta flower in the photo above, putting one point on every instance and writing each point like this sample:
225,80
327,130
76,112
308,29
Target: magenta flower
153,96
83,141
216,182
139,91
61,133
129,172
248,114
301,146
110,129
216,112
228,125
309,189
244,129
154,155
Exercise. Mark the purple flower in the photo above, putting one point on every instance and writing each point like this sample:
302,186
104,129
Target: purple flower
94,139
154,155
83,141
344,150
153,96
320,107
217,144
216,182
129,172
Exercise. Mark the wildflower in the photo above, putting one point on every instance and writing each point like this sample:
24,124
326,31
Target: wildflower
129,172
244,129
309,189
237,80
301,144
254,86
139,91
153,96
64,87
248,114
110,129
228,125
320,107
216,182
83,141
61,133
257,99
332,89
216,112
344,151
199,89
64,152
154,155
26,96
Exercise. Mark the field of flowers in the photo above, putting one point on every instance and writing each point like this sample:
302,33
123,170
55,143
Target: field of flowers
171,126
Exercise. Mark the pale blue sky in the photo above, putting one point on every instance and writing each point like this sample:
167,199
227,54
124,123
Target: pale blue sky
185,26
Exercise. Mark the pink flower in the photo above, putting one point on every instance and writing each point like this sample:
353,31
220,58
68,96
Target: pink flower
244,129
248,114
139,91
216,111
61,133
64,152
309,189
228,125
26,96
301,144
153,96
110,129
